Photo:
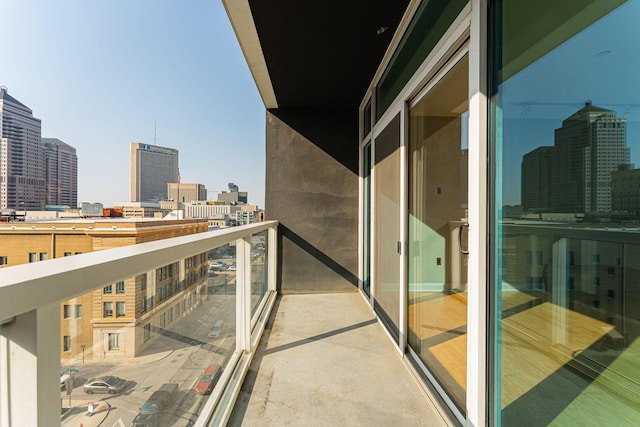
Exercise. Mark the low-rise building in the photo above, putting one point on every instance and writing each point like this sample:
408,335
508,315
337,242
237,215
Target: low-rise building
119,319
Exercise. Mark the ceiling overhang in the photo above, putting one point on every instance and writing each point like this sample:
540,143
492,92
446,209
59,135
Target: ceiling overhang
314,54
241,19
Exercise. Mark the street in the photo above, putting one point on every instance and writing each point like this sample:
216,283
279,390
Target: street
184,351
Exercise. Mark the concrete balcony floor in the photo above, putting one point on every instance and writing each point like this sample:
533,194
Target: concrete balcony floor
324,360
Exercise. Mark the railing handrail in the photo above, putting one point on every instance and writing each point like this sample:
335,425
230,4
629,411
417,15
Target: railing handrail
27,287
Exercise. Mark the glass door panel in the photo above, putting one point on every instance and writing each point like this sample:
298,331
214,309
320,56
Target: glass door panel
387,224
437,258
366,238
566,213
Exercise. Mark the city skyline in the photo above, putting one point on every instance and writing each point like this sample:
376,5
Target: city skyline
155,72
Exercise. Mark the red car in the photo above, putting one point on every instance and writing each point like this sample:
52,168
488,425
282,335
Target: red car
209,379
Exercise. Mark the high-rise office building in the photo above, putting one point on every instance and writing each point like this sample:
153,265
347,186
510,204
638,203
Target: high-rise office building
61,173
575,174
22,159
152,168
590,145
536,177
182,192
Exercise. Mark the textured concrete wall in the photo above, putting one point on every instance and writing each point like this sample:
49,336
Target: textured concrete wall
312,189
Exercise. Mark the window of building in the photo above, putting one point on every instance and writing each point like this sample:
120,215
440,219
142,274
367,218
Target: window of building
66,343
66,311
33,257
147,331
163,320
143,282
3,260
611,271
107,289
120,288
120,309
107,309
68,254
43,256
78,253
78,311
170,315
114,341
143,306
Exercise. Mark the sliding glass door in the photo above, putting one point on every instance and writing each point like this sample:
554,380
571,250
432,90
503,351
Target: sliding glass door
387,225
437,228
566,213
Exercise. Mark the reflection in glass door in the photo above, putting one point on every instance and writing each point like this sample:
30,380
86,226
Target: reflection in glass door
437,256
387,225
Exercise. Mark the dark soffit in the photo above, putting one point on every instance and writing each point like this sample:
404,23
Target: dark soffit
324,53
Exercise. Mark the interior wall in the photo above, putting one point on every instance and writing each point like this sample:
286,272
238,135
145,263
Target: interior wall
312,189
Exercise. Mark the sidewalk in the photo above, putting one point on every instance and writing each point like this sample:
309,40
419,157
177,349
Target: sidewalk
77,415
155,354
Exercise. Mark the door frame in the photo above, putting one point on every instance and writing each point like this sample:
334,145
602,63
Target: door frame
466,35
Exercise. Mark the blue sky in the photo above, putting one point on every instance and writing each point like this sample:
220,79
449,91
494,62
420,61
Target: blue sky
599,64
99,74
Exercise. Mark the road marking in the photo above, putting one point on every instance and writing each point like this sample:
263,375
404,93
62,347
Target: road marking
194,383
119,423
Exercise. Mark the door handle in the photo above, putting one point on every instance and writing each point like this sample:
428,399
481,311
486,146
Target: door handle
460,229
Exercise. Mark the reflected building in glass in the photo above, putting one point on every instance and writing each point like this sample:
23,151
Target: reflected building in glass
625,190
574,175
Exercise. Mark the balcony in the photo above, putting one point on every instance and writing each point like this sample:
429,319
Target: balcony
308,359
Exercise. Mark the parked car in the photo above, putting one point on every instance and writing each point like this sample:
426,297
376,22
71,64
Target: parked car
209,379
151,412
106,384
215,331
232,267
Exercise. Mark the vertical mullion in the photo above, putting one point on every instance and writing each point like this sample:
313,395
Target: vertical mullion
243,294
404,212
272,256
477,316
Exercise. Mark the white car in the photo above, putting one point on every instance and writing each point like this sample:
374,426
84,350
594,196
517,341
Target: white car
64,378
217,327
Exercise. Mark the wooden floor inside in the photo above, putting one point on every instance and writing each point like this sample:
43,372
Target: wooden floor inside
544,348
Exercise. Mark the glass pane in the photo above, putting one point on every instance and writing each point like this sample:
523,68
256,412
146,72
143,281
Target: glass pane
429,24
387,223
259,244
366,238
566,142
184,329
437,267
366,119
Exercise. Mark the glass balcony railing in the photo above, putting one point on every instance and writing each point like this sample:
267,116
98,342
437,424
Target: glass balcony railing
568,320
159,333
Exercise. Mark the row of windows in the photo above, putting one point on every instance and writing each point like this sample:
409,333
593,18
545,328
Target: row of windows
113,339
34,256
68,309
120,288
107,309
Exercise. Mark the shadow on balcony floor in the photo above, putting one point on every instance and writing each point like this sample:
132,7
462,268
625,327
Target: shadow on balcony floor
325,360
